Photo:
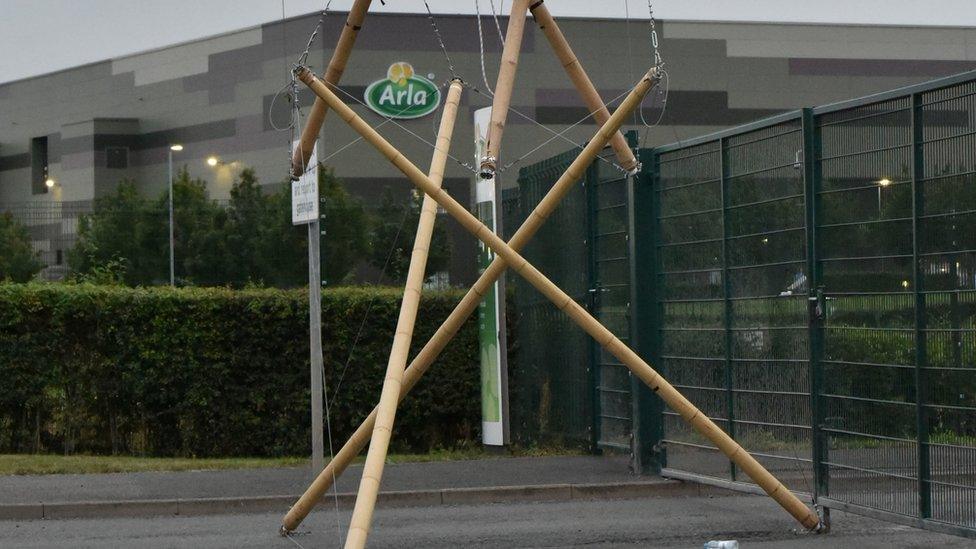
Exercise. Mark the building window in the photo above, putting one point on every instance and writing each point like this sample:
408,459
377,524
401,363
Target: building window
39,167
117,158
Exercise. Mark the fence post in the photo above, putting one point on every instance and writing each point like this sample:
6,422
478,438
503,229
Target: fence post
727,292
645,321
593,301
815,300
921,356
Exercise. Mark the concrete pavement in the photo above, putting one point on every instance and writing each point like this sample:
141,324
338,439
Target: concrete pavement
195,493
685,522
293,480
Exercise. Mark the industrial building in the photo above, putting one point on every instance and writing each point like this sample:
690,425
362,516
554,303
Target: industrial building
69,137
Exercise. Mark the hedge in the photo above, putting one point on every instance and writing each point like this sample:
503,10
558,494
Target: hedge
214,372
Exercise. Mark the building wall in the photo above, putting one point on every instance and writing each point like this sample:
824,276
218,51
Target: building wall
214,96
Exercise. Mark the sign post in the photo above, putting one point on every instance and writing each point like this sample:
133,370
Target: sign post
491,311
305,211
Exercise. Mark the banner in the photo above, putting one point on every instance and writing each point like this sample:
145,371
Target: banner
491,311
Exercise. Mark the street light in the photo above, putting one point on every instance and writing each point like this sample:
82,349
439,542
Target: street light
49,183
882,183
212,161
176,147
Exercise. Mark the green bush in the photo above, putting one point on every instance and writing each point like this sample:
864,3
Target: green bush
214,372
18,261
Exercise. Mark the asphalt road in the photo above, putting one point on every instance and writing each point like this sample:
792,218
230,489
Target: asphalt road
685,522
19,489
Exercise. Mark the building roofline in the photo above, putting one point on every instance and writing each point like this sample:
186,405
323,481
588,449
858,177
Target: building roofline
464,15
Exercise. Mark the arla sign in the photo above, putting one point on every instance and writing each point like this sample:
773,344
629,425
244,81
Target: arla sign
403,94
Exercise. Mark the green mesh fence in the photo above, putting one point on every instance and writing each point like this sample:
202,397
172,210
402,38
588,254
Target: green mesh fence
814,293
550,386
610,300
732,268
808,281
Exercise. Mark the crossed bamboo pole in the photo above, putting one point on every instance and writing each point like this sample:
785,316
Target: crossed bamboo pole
691,414
585,88
504,86
333,73
468,304
386,410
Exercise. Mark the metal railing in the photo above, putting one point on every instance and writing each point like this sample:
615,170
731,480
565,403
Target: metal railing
813,289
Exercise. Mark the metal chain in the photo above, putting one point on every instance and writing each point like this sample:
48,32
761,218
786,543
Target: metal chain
662,90
658,61
308,46
440,40
481,47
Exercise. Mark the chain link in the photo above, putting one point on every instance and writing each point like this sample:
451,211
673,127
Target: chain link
440,40
308,46
658,61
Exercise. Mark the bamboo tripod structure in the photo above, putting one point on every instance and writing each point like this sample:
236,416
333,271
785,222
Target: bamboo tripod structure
671,396
507,254
333,73
504,86
468,304
386,410
582,82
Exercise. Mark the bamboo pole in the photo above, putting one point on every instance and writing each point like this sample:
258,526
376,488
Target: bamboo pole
692,415
504,85
333,73
467,305
581,81
369,486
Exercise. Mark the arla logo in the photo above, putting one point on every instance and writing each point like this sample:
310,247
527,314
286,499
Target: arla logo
403,94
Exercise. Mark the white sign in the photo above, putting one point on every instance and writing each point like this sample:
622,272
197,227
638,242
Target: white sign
305,192
491,310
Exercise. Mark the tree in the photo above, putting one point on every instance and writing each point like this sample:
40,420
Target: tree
251,241
246,226
346,226
199,232
392,238
123,231
18,260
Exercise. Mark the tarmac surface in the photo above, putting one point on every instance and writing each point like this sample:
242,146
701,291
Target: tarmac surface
563,501
28,489
24,489
685,522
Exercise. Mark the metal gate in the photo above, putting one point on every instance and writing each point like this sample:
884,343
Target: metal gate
610,300
565,387
732,300
811,286
550,377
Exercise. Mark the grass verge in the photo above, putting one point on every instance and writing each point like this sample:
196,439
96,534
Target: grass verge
48,464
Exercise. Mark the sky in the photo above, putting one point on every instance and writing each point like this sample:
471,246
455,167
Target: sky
41,36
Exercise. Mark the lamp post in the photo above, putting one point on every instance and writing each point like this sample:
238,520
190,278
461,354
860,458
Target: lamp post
882,184
172,269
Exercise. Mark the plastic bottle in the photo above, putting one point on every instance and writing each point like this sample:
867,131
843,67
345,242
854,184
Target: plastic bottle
722,544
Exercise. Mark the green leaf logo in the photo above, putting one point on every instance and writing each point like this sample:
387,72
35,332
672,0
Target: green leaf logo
402,94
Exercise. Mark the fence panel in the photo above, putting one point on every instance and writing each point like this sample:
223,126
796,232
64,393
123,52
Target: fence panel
899,342
732,271
816,296
946,220
551,397
610,298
